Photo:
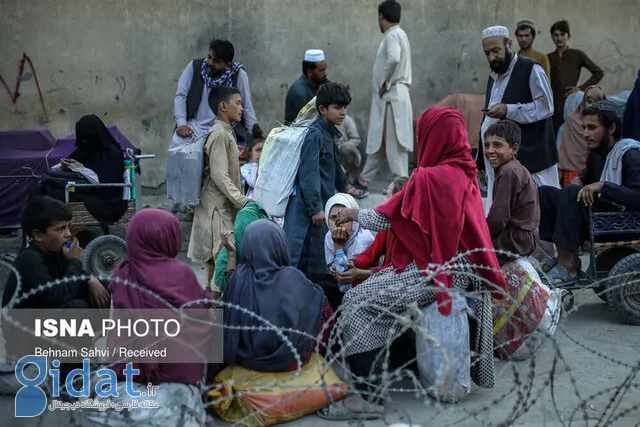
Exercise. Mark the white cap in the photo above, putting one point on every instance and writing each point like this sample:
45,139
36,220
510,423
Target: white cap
314,55
495,31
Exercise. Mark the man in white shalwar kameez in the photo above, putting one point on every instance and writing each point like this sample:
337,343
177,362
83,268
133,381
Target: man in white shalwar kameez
519,90
390,136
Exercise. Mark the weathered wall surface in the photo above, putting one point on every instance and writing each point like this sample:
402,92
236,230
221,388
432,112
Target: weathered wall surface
121,59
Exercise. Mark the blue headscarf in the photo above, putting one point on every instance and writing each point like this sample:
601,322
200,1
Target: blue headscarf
266,284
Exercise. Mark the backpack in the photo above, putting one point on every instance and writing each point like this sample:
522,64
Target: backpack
185,171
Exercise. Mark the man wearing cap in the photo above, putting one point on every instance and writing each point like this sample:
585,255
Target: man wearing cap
390,136
526,34
519,90
612,176
314,73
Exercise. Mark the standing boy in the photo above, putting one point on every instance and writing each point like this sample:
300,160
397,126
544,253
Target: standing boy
222,197
515,212
318,177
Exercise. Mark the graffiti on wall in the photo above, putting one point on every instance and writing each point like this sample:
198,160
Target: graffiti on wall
15,94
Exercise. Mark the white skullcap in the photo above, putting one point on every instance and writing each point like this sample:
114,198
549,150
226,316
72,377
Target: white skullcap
314,55
495,31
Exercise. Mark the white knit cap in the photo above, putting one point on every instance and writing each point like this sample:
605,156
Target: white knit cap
495,31
314,55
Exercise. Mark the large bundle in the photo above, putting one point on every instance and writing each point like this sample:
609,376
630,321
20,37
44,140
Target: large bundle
530,307
185,168
251,398
279,162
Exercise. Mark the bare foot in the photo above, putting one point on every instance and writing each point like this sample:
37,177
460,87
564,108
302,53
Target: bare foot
355,403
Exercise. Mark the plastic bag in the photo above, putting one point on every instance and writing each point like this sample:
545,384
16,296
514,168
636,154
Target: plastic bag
269,398
185,169
446,379
545,330
276,175
516,317
177,405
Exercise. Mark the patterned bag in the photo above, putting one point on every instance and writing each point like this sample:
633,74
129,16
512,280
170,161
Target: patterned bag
518,315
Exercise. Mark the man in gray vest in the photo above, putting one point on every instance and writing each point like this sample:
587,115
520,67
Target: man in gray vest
192,113
518,89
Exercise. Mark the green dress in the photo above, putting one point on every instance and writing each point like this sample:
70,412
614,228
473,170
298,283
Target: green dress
250,213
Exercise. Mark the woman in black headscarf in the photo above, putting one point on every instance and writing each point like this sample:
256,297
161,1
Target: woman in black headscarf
266,285
97,149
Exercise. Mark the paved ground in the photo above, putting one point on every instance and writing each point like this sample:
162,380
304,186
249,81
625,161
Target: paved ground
570,381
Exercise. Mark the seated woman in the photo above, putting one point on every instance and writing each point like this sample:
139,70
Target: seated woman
437,215
515,212
368,263
99,152
224,265
267,286
573,150
152,278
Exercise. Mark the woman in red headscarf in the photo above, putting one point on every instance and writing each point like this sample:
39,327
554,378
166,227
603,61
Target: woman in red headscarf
434,218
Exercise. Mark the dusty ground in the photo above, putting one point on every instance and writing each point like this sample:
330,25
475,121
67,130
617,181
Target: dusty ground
597,354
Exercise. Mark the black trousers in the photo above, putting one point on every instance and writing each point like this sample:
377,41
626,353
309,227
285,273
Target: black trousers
364,365
563,220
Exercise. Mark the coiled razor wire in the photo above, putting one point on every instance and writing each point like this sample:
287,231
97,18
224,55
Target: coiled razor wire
621,401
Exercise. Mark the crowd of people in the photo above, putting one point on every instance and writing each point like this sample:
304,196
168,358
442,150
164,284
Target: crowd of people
330,269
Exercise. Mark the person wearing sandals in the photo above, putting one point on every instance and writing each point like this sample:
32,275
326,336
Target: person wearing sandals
515,212
611,179
435,217
319,175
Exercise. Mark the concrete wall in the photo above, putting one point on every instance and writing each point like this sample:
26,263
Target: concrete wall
121,59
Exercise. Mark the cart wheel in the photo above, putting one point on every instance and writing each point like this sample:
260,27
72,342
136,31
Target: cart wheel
103,254
623,289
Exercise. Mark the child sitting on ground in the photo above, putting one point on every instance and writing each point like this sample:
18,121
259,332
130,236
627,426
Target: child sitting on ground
368,263
45,221
515,213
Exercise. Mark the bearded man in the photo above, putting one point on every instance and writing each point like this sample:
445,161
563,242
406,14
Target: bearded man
314,74
518,89
192,112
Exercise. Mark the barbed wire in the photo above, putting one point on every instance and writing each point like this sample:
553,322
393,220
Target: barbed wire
548,377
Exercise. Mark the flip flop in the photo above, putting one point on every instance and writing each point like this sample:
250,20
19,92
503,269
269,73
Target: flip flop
549,264
339,412
559,276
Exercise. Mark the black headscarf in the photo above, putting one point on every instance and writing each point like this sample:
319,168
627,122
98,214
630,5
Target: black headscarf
268,286
98,150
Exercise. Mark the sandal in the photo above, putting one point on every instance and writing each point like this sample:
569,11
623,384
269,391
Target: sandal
358,193
559,276
549,264
338,412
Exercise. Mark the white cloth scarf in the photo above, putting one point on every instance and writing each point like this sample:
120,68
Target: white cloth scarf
612,171
359,239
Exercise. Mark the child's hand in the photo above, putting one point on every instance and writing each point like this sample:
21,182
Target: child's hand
75,251
339,235
99,297
229,241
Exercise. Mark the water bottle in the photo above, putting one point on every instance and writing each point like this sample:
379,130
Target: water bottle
340,262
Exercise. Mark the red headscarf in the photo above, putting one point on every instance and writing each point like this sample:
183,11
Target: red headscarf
154,238
439,211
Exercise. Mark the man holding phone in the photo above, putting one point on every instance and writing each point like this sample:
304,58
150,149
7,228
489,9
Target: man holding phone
518,89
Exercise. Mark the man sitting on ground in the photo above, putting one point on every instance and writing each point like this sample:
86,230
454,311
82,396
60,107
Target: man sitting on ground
612,177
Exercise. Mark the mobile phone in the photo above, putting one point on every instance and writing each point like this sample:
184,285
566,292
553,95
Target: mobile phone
484,110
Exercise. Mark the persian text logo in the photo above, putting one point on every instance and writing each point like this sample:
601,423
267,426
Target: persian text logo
31,400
